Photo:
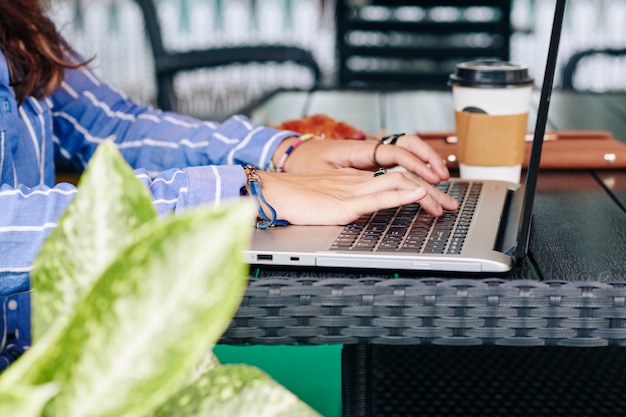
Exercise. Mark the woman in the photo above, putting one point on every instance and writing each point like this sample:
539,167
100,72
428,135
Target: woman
53,107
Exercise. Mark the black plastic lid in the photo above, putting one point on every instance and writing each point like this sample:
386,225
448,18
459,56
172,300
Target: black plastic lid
491,73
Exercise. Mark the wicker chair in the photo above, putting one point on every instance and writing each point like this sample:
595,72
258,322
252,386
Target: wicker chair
168,64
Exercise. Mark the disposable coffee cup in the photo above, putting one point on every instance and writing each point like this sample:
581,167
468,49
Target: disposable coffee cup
491,101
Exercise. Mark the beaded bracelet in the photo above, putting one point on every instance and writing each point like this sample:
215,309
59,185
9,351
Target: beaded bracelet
294,145
254,182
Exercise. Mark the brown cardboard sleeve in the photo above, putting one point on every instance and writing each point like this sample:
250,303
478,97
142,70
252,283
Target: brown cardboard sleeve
488,140
561,150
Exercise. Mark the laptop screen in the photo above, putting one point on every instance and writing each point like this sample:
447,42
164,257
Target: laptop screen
540,128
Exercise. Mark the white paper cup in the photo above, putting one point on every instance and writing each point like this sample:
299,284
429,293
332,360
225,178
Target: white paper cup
491,102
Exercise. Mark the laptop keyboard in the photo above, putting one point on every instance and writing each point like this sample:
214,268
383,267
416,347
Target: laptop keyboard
410,229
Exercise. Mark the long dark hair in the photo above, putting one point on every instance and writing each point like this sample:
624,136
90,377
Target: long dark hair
35,51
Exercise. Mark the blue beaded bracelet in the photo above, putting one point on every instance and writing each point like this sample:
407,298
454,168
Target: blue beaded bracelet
254,183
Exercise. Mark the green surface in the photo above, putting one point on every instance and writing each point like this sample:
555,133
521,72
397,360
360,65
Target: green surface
313,373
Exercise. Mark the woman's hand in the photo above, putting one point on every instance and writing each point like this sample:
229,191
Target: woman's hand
410,152
340,196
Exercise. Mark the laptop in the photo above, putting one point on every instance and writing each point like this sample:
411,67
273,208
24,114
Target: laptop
489,232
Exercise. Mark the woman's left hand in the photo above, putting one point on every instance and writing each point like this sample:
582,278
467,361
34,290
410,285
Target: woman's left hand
339,196
409,152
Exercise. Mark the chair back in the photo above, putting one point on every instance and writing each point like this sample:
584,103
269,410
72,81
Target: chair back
416,43
570,69
168,63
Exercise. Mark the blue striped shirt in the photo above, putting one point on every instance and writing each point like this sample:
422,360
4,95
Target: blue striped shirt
184,161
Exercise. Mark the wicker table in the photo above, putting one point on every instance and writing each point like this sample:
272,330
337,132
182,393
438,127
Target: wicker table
545,339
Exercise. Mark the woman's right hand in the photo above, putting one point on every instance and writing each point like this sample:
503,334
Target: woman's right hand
342,195
410,152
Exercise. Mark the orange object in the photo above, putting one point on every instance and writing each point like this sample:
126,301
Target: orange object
322,125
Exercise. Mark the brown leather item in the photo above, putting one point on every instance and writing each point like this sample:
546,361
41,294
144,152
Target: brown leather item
566,149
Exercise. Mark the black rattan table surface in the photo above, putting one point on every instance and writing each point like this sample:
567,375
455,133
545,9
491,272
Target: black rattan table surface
569,291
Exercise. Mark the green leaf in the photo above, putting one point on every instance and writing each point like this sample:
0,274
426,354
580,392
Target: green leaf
149,319
134,304
97,224
25,401
234,390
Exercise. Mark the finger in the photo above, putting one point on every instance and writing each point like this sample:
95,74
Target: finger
397,184
406,181
372,202
421,148
446,201
426,153
390,155
387,182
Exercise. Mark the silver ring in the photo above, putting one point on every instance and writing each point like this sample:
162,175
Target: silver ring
374,153
385,140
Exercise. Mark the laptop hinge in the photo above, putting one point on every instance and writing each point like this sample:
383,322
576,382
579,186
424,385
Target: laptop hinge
506,239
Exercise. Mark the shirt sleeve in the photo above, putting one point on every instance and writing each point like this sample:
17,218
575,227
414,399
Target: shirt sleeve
87,111
30,214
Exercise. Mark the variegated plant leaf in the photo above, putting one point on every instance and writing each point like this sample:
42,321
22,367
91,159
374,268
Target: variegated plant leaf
24,400
234,390
97,224
149,299
148,319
